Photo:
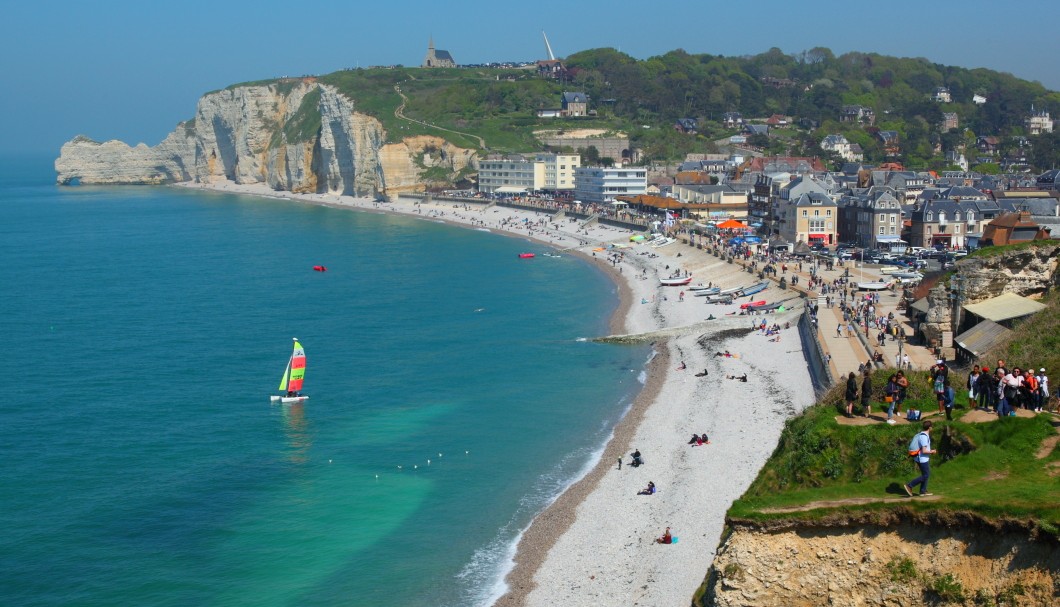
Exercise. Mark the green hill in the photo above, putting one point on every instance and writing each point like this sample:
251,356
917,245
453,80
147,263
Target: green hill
643,98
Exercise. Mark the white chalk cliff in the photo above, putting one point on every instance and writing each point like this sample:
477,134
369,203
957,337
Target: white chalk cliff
299,136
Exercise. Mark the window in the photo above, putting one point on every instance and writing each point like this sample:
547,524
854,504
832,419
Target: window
892,230
881,230
828,213
929,229
882,218
971,217
942,216
929,217
817,212
894,219
957,228
804,213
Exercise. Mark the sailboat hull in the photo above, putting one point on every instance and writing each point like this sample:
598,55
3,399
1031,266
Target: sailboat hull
288,399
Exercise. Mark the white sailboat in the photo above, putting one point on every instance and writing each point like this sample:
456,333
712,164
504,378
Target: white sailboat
293,377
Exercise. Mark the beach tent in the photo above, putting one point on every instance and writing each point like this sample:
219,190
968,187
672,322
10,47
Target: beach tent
636,237
731,224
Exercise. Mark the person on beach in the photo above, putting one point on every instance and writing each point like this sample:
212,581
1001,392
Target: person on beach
681,367
851,393
703,374
694,440
637,459
903,387
742,378
649,490
920,449
666,538
890,392
947,398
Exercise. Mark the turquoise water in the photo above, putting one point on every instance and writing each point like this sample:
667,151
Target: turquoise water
144,463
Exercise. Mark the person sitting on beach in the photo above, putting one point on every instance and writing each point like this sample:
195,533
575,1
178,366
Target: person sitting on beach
649,490
666,538
637,459
681,367
695,439
701,440
703,374
742,378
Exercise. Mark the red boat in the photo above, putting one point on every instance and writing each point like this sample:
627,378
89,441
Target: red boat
752,303
320,268
526,255
676,282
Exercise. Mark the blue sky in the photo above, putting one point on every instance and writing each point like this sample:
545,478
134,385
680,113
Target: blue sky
129,70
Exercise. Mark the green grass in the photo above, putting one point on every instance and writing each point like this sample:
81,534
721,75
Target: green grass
986,468
1009,248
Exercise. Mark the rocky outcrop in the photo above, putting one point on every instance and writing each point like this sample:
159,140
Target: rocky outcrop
405,164
896,565
1026,271
294,135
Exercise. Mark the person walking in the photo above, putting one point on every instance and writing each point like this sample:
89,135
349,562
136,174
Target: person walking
866,392
920,449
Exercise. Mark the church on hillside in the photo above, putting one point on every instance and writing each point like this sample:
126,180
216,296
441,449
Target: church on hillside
437,58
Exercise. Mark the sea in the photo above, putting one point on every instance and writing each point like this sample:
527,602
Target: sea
453,395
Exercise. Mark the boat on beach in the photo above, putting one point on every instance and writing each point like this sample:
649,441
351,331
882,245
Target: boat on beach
755,288
720,298
293,377
701,287
872,286
750,304
764,307
675,282
732,291
706,292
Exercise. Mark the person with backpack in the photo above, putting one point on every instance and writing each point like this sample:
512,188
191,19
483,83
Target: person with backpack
920,450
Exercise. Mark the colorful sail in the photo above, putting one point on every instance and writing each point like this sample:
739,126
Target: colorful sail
294,375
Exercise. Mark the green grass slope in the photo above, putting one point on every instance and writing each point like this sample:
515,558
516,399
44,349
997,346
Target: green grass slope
991,469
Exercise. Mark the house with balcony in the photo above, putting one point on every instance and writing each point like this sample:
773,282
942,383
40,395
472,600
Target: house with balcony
942,95
603,184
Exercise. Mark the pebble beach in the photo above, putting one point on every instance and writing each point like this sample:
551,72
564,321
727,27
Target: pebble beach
595,543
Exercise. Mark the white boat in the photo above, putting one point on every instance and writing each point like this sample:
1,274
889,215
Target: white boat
675,282
706,292
293,376
700,287
873,286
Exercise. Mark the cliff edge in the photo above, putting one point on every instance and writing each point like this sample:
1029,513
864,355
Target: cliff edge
298,136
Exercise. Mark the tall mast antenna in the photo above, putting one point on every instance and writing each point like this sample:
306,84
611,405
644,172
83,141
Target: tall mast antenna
548,47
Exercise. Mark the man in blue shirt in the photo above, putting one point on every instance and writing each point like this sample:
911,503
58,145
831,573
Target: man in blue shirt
921,444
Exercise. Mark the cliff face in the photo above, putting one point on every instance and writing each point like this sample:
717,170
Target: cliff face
1027,271
868,565
298,136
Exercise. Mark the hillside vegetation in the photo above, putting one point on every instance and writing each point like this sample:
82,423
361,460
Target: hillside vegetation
999,470
644,97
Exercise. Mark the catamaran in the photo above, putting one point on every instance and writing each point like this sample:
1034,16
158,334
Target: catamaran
293,376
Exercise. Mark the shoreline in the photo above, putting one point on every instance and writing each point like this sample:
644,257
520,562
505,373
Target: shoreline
593,543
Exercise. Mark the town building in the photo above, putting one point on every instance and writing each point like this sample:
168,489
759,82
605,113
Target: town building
811,218
871,219
950,121
603,184
838,144
437,58
942,95
522,173
858,114
575,104
1038,122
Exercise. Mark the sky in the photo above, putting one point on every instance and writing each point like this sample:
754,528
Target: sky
132,70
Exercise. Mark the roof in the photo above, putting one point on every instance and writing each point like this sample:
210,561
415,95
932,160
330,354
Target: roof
921,305
574,97
1005,307
982,337
443,55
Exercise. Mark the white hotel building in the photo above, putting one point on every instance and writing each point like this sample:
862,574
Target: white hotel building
521,173
602,184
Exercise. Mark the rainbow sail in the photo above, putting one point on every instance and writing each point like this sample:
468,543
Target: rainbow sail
294,375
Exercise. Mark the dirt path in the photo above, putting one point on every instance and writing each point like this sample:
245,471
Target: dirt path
399,112
852,501
1050,443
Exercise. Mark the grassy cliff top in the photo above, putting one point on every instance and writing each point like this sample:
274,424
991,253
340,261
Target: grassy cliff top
998,470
